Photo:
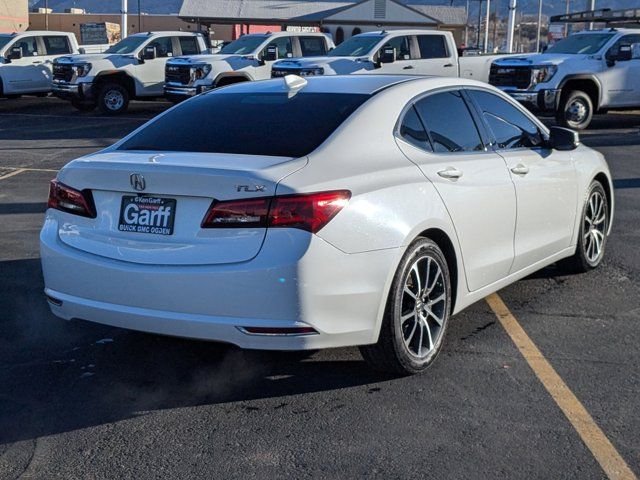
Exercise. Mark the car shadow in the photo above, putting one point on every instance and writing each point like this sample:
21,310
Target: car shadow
58,376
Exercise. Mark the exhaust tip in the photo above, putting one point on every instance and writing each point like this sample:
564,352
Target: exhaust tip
269,331
54,301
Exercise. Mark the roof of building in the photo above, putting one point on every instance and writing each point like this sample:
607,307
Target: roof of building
304,11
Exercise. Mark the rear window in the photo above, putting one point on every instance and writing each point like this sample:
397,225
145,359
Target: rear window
272,124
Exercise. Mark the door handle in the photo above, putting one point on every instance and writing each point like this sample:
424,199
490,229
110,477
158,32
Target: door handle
448,65
37,62
450,172
520,169
408,67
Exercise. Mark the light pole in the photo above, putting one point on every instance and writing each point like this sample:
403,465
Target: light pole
511,25
486,28
123,20
539,25
46,14
479,24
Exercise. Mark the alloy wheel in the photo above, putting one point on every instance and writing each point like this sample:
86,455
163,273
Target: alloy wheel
595,227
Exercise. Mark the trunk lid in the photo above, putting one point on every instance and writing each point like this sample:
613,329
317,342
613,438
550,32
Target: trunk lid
192,181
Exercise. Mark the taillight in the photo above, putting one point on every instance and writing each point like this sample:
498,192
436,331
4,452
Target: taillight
67,199
310,212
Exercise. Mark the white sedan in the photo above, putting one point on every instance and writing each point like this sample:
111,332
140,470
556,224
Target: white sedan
324,212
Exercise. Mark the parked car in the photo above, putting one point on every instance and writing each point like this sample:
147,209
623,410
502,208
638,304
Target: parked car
416,52
584,74
380,206
131,69
26,59
248,58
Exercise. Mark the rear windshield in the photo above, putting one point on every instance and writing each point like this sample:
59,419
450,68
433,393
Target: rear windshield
272,124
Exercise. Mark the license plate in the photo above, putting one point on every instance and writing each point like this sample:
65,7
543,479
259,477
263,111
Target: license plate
153,215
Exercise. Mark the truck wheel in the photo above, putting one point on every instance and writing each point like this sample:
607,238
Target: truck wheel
575,110
417,312
113,98
83,106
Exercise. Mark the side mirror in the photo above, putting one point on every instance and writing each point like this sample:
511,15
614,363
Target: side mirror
15,54
624,54
149,53
563,139
388,55
82,50
270,54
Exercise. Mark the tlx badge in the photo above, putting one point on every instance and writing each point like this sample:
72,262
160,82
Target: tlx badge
250,188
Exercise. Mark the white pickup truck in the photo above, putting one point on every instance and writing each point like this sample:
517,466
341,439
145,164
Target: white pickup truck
26,59
248,58
415,52
584,74
131,69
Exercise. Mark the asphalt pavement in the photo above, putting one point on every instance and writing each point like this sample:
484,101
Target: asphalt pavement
80,400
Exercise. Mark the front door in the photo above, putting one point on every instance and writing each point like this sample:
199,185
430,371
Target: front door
24,74
472,181
405,60
546,187
621,79
150,74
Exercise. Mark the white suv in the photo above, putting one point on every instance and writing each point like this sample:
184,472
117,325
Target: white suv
248,58
131,69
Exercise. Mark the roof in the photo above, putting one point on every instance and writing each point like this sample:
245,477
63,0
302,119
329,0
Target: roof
303,11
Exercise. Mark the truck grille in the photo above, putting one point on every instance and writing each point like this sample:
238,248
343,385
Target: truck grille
275,72
518,77
62,72
178,74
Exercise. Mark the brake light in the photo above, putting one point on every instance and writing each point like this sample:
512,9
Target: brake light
67,199
310,212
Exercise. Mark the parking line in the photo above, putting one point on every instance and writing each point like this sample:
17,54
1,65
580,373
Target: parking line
594,438
11,174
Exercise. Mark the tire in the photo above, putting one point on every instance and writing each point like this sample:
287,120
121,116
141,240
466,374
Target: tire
575,110
409,344
592,238
83,106
113,98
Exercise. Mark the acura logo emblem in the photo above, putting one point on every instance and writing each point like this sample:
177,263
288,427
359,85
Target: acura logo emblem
137,182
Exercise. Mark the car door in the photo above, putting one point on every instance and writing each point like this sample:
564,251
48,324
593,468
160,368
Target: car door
545,179
472,181
434,56
24,74
151,73
312,46
405,60
620,78
284,46
188,46
53,46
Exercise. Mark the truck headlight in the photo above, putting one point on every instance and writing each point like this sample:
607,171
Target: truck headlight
81,70
312,71
543,74
201,71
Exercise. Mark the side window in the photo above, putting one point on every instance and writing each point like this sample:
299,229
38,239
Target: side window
164,47
412,130
285,50
432,46
56,45
189,45
449,122
401,44
511,128
28,45
626,40
312,46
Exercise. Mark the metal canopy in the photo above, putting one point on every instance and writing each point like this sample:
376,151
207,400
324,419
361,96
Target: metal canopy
603,15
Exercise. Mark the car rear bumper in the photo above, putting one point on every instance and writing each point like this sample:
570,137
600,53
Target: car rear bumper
542,100
297,280
73,91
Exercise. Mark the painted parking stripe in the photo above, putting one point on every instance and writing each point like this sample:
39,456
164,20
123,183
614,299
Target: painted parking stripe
11,174
594,438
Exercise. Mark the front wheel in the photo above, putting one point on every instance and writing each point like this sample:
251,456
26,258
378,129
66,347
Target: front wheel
113,98
593,232
575,110
417,313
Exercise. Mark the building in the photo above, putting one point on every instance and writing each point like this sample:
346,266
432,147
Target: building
14,15
341,18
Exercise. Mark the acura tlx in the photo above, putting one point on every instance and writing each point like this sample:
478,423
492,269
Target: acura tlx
305,213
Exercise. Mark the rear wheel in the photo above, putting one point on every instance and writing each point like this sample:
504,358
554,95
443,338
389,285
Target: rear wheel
417,313
575,110
593,232
113,98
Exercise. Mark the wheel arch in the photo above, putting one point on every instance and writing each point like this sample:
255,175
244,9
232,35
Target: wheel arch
122,78
604,179
587,83
444,242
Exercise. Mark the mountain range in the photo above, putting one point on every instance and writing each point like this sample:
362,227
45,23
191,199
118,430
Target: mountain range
550,7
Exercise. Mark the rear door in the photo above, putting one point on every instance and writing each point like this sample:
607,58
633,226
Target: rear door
312,46
472,181
434,56
545,180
